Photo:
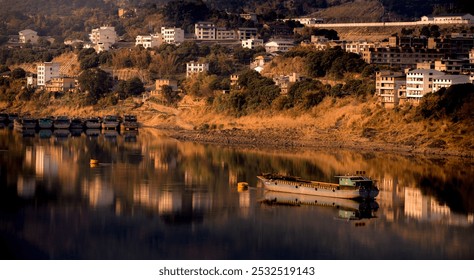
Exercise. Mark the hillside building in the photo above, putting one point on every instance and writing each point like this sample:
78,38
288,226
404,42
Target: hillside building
449,80
224,34
252,43
420,82
47,71
449,19
246,33
278,45
104,35
400,57
205,30
358,47
28,36
387,87
172,35
149,41
456,47
193,68
60,84
160,83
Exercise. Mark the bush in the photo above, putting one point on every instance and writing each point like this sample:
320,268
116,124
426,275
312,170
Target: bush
455,103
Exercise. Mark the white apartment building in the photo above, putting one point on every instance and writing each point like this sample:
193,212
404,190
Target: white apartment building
420,81
104,34
193,67
449,80
28,36
172,35
252,43
205,30
278,46
46,71
149,41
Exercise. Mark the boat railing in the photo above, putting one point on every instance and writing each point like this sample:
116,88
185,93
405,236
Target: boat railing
311,185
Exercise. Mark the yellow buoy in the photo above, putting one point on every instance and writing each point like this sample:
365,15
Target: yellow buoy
94,161
242,186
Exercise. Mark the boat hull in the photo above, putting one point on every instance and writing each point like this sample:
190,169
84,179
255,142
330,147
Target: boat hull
45,124
110,125
93,124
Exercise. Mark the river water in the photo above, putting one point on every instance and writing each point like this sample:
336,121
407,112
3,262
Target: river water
152,197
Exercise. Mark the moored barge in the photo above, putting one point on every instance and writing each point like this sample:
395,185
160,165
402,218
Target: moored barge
349,186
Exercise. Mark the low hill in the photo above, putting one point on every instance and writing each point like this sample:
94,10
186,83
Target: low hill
356,11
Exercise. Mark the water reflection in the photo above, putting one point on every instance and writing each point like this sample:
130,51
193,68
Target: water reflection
149,196
346,209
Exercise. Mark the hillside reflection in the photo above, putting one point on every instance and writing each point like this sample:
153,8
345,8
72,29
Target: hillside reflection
51,188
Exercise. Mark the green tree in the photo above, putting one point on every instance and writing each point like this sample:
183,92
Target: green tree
18,73
88,58
170,96
307,93
131,87
4,68
96,83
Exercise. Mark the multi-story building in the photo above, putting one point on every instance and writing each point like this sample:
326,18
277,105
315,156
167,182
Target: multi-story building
452,66
259,62
172,35
358,46
252,43
205,30
408,42
193,68
246,33
455,46
104,35
400,57
278,45
387,87
420,82
46,71
471,56
160,83
60,84
449,80
28,36
149,41
224,34
284,82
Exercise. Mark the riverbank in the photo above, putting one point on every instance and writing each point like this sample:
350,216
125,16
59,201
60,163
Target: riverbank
347,123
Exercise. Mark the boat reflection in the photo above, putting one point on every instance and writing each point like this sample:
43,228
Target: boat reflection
348,209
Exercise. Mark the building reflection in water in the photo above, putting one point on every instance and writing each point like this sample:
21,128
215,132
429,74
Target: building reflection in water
191,184
98,192
399,201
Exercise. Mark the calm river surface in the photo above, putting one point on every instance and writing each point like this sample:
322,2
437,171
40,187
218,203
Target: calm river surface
151,197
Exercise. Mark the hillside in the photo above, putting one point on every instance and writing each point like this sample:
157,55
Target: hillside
356,11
